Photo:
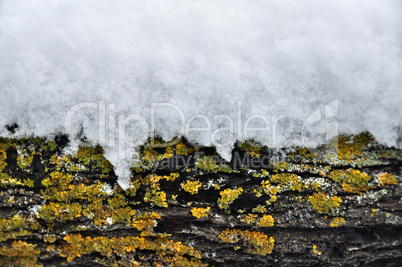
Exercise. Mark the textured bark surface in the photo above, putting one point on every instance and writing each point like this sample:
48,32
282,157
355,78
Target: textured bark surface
337,205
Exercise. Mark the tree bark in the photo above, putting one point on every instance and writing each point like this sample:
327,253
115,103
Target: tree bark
336,205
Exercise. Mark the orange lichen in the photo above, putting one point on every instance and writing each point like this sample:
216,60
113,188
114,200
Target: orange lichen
256,242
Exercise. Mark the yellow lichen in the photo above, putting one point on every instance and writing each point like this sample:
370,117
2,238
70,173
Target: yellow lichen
182,149
251,147
255,242
15,226
145,221
249,218
208,163
337,221
200,212
49,238
387,179
260,209
351,147
353,181
191,186
266,221
322,203
170,252
20,254
228,196
316,251
287,180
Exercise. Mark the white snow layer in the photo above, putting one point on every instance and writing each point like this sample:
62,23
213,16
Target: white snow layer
102,66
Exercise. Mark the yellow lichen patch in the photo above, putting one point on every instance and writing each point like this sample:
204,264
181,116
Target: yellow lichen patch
208,163
20,254
228,196
92,157
251,147
280,166
167,250
263,173
3,158
337,221
24,158
287,180
49,238
145,221
302,152
157,178
15,226
116,211
6,180
260,209
200,212
266,221
322,203
153,191
373,212
316,251
182,149
191,186
351,147
58,179
156,196
353,181
61,161
249,218
256,242
54,211
387,179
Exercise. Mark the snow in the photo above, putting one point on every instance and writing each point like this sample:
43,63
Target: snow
102,67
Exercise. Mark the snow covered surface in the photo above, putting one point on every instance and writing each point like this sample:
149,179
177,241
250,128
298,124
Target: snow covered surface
100,66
